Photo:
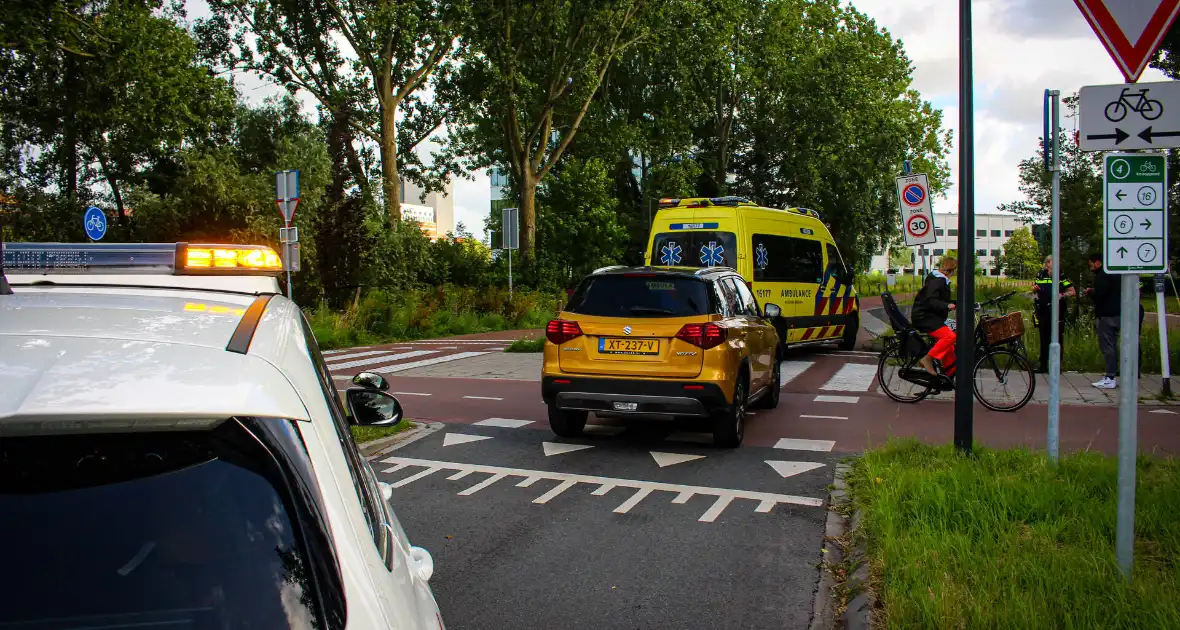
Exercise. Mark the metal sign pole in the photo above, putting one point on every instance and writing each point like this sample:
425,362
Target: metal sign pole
1054,327
509,273
1161,312
1128,408
965,344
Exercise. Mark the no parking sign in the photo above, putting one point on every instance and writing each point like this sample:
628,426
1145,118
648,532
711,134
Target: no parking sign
917,218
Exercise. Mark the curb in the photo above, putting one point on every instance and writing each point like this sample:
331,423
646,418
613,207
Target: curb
377,448
831,555
858,613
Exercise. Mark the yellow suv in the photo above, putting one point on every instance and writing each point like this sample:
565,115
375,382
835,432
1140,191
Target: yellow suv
663,342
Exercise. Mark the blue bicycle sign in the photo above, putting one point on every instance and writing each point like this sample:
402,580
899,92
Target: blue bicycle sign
95,223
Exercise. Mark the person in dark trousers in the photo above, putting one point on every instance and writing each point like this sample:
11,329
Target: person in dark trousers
1107,296
1043,314
932,306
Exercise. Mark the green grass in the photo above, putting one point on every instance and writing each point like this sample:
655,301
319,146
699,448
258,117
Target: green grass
1004,540
1170,305
525,344
368,434
872,284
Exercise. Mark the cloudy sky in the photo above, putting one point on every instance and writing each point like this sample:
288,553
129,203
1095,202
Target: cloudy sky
1021,48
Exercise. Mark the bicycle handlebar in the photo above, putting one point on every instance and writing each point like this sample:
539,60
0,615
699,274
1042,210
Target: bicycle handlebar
996,300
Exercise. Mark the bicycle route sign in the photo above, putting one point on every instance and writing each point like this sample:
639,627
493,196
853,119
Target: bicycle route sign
1135,210
1128,117
94,221
917,217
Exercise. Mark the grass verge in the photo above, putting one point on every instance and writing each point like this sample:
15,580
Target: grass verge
525,344
1004,540
364,434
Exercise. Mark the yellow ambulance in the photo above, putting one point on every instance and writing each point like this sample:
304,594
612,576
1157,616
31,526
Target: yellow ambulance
787,257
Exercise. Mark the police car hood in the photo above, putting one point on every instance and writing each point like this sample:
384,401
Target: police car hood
47,377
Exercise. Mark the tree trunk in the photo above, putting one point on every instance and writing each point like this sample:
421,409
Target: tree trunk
391,183
71,133
528,214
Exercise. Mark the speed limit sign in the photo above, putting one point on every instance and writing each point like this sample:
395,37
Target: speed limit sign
917,217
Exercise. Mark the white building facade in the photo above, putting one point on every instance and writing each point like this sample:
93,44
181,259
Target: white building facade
992,230
436,212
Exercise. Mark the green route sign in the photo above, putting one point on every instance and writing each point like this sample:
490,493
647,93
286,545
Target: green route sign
1135,209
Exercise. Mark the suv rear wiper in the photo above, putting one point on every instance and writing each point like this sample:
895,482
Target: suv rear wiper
653,310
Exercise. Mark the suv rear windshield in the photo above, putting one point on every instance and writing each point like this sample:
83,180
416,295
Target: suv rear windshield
695,249
640,295
191,530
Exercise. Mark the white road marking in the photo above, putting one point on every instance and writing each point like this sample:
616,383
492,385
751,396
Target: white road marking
528,482
606,483
554,448
482,398
603,429
562,487
356,355
448,347
462,438
425,362
764,507
393,469
342,378
331,352
505,423
792,369
481,342
381,359
1167,411
410,394
669,459
683,498
823,417
412,478
852,377
837,399
483,484
789,469
805,445
459,475
639,495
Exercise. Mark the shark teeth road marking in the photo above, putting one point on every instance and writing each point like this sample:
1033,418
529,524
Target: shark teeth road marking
1167,411
766,500
794,444
452,439
505,423
554,448
671,459
790,469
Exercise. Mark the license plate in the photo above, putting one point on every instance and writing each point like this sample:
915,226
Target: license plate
617,345
626,406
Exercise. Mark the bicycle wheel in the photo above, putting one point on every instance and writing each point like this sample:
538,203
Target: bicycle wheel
889,368
1151,109
1003,380
1116,111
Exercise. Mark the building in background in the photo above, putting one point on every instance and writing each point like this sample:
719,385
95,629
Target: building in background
436,212
502,195
992,230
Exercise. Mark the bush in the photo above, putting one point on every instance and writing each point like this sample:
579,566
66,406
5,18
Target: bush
525,344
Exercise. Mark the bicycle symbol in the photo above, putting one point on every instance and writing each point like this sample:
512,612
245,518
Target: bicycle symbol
95,223
1148,108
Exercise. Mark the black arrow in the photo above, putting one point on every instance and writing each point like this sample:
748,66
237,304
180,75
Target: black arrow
1146,224
1122,251
1147,134
1120,194
1118,136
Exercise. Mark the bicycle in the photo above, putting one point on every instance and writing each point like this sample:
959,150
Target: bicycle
1002,377
1148,108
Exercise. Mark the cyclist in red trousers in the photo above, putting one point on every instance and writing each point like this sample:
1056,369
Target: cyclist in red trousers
932,306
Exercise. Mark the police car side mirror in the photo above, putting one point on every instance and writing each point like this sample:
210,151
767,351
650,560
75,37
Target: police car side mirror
372,408
371,381
772,310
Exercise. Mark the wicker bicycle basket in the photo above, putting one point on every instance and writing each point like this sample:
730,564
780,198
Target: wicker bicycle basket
999,330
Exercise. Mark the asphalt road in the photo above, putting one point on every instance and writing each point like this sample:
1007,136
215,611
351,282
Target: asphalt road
606,537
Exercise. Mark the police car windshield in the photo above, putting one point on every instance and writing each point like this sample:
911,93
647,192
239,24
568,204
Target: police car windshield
151,530
640,295
695,249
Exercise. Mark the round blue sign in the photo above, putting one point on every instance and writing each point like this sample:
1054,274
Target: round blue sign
95,222
913,194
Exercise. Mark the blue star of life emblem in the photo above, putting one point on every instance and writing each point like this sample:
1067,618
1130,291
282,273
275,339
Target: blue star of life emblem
761,256
670,254
712,254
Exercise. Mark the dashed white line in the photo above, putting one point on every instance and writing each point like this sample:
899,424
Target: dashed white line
794,444
381,359
852,377
792,369
425,362
482,398
837,399
410,394
823,417
483,484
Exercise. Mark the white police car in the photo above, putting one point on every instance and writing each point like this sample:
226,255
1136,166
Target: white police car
173,452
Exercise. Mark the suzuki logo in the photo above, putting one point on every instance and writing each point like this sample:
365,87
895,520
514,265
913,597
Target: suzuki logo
626,330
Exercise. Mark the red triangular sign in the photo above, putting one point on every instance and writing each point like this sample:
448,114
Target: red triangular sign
1131,31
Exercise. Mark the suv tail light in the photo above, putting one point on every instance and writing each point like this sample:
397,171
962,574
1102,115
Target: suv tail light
560,331
703,336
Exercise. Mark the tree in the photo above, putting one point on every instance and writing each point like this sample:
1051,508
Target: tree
900,256
1022,256
529,80
365,61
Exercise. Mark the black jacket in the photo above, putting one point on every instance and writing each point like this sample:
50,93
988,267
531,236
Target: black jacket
1107,294
1044,305
932,305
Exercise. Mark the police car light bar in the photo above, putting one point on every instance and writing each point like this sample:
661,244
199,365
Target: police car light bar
179,259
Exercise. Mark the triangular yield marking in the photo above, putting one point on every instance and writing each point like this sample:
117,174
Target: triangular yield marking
554,448
788,469
669,459
452,439
1167,411
1130,31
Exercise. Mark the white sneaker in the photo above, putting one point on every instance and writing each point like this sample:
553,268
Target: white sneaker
1107,383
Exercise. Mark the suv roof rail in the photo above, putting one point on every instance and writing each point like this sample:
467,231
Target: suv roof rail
704,270
804,211
609,268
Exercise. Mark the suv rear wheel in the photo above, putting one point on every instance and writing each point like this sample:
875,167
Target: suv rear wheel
567,423
729,426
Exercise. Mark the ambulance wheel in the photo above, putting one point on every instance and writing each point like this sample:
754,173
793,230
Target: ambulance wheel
850,331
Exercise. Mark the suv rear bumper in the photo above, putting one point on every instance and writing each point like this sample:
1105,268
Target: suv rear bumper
650,397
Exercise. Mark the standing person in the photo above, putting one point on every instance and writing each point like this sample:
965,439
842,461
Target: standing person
1043,314
932,306
1107,296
